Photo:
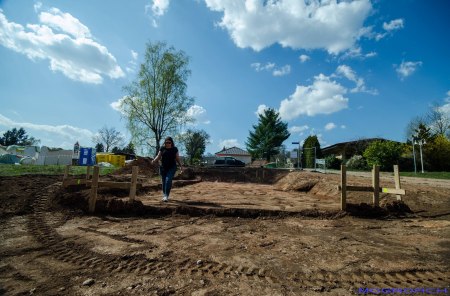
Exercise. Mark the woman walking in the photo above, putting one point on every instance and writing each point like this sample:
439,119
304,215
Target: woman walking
169,158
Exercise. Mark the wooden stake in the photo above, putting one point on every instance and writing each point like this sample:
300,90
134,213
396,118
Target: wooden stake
376,185
397,181
94,186
133,182
88,172
343,187
66,172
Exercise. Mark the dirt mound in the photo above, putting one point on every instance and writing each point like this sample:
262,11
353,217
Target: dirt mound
388,209
145,167
233,175
310,182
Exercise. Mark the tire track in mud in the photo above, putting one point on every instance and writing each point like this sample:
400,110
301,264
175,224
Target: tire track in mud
83,257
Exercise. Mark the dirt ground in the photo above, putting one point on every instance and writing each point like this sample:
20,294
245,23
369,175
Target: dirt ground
224,232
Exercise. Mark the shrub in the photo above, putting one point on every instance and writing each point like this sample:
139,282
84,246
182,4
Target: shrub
383,153
357,162
332,162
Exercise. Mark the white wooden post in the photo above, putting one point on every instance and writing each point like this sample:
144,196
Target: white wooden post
397,181
133,182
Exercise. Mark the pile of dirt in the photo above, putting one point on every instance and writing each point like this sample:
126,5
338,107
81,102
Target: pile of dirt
297,181
233,175
145,167
385,210
309,182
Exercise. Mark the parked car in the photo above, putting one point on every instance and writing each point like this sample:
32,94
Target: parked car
228,162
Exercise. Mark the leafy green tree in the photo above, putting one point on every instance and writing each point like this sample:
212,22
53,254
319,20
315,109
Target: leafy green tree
17,137
99,147
129,149
383,153
108,137
311,150
195,142
156,103
437,154
268,135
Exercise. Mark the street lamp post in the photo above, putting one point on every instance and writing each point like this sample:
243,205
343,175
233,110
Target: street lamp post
414,155
421,142
298,155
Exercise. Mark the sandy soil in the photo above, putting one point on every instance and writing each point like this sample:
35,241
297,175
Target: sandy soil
223,232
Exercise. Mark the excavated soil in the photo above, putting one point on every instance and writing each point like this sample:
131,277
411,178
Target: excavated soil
240,231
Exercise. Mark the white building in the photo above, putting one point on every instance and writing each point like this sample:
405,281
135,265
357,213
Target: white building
237,153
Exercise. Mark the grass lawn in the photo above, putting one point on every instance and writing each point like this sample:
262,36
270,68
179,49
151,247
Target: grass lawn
433,175
17,170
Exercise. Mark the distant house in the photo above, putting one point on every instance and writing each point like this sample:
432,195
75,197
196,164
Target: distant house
237,153
346,150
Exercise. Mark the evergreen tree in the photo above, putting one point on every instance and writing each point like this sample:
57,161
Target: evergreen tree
268,135
17,137
311,150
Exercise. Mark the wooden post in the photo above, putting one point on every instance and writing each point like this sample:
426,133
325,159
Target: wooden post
88,172
94,186
343,187
133,182
66,171
397,181
263,174
376,185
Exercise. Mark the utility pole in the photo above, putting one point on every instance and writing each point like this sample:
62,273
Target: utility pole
414,155
299,164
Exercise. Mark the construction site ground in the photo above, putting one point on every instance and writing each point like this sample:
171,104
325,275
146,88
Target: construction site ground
241,231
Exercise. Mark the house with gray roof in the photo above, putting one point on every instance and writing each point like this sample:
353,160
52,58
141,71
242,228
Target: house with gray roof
235,152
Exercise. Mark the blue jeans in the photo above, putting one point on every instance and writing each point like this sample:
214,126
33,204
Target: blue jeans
166,177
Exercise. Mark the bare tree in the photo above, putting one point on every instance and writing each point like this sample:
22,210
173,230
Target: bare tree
108,137
438,120
413,126
156,103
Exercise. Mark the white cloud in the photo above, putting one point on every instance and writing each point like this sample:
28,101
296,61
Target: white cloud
65,42
132,64
298,129
285,70
158,8
272,67
260,67
198,113
343,127
64,22
261,109
393,25
116,105
446,107
228,143
331,25
324,96
64,133
303,58
348,73
407,69
356,53
390,27
329,126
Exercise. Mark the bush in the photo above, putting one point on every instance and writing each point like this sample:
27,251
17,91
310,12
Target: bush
357,162
332,162
383,153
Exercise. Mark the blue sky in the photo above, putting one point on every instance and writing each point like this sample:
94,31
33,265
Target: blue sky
342,70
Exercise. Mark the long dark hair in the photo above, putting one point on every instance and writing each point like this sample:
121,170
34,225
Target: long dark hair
171,140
